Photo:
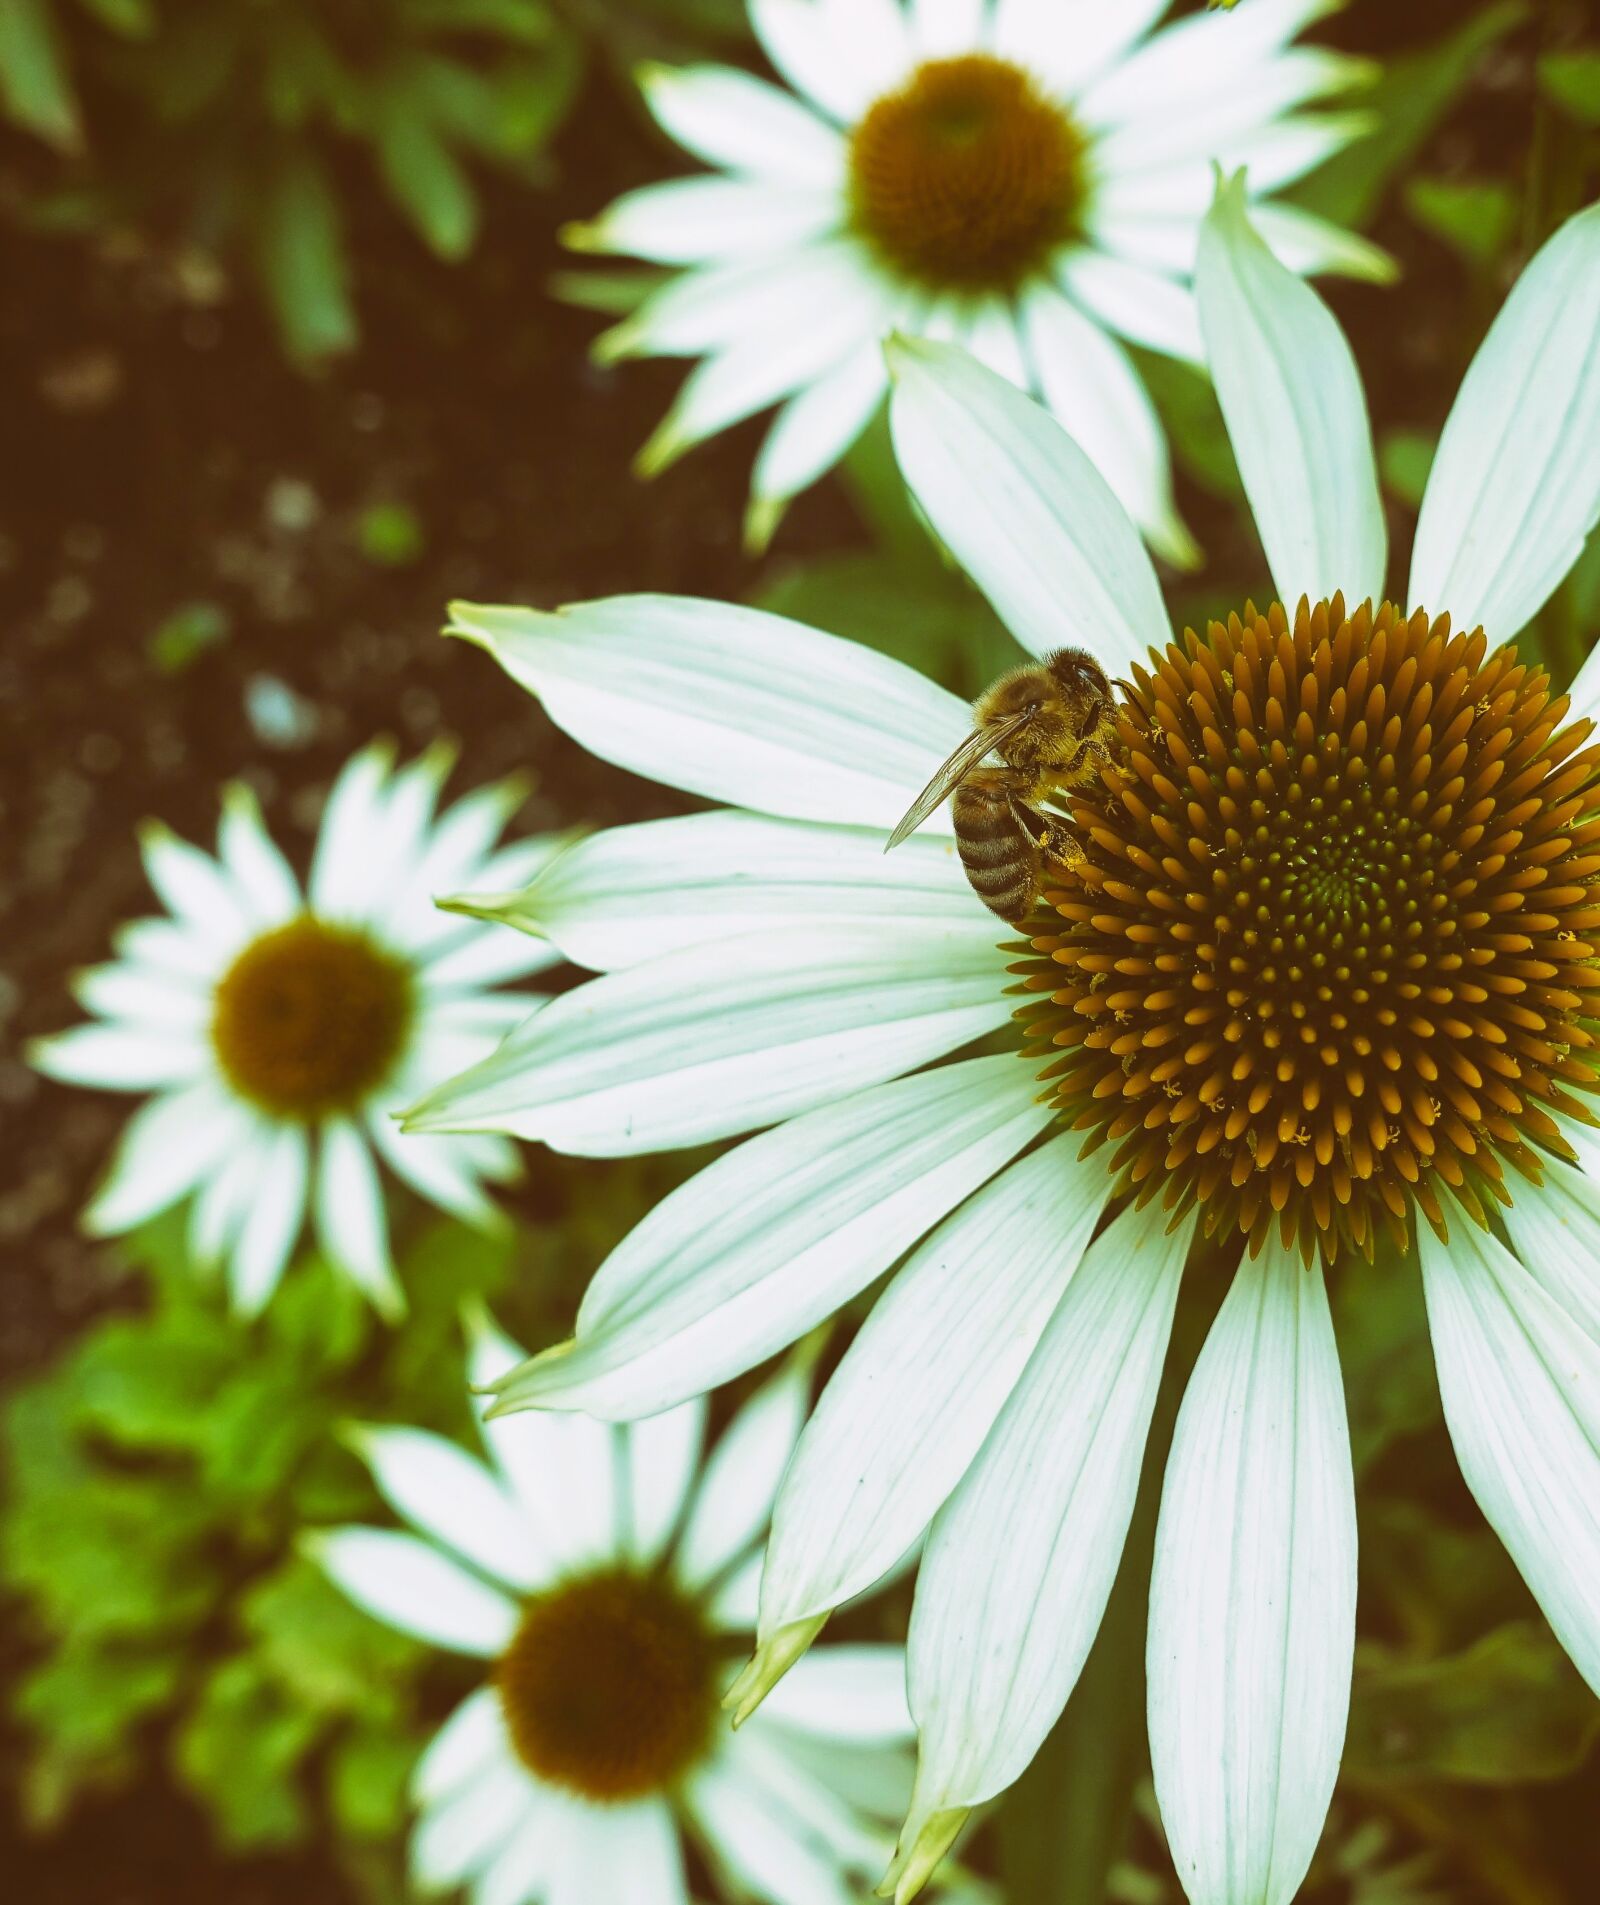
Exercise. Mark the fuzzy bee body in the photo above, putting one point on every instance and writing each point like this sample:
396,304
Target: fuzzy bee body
1051,724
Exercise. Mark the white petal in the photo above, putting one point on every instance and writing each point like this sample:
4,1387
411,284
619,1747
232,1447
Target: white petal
617,1855
352,822
756,1838
767,1241
446,1494
772,1760
990,335
1554,1228
918,1389
942,27
855,1693
195,889
731,119
1292,397
698,221
1068,41
261,874
269,1226
734,1606
565,1469
1307,244
1271,156
841,53
1520,1379
414,1587
525,1866
1093,390
1192,55
147,1000
630,894
1143,306
730,703
715,1040
466,1830
445,1170
167,948
224,1200
1022,508
734,1500
350,1218
487,959
167,1147
1515,485
1252,1599
818,424
663,1456
1020,1562
116,1058
472,1737
758,300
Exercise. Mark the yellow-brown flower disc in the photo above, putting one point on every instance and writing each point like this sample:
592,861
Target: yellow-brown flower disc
1335,936
968,177
609,1685
310,1018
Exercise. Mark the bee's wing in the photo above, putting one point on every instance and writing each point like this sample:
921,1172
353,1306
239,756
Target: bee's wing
950,776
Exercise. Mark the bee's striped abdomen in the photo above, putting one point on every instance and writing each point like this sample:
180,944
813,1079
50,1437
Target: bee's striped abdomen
1000,856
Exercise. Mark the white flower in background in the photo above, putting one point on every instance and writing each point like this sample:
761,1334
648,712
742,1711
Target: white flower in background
281,1030
605,1572
1325,972
1026,178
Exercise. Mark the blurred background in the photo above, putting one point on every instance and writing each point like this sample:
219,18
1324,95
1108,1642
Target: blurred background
290,355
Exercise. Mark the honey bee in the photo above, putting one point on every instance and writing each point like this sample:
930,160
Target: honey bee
1052,724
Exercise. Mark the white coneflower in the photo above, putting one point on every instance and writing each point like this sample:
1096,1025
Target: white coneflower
281,1030
1324,969
1026,178
602,1575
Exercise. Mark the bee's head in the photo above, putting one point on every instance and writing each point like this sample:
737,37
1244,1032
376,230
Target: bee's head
1067,699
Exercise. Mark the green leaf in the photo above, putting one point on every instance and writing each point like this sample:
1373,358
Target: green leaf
1438,1584
1390,1387
1193,417
1404,460
1409,100
178,642
300,255
390,535
326,1656
148,1382
34,87
368,1782
424,178
1572,80
240,1750
87,1699
1509,1710
131,19
1475,218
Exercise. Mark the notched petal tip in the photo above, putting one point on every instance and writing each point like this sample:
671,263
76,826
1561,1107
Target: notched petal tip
771,1660
520,1387
920,1854
762,516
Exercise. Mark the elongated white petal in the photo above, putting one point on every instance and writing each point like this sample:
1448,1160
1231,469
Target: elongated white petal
1271,156
818,424
754,1835
463,1747
1252,1599
1515,485
1020,1562
730,703
471,1826
118,1058
1068,41
628,1853
764,297
767,1761
445,1170
163,947
922,1383
224,1199
853,1693
990,335
449,1496
414,1587
1022,508
1197,53
146,1000
631,894
1306,245
698,221
350,1217
732,119
564,1470
195,890
524,1868
1092,389
261,875
840,53
733,1503
734,1605
167,1147
763,1244
663,1456
1555,1230
269,1224
1292,397
1520,1379
1146,307
716,1040
942,27
352,824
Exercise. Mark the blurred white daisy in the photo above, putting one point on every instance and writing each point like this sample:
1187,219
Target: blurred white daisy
605,1572
281,1030
1325,969
1026,178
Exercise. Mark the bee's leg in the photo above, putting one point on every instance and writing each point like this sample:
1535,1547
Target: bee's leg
1061,844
